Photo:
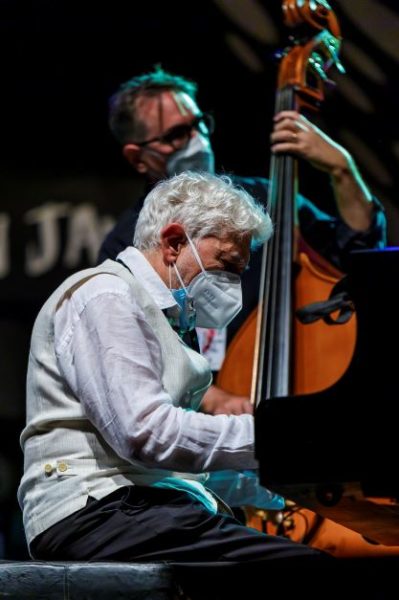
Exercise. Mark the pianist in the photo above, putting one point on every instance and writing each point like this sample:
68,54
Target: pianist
115,450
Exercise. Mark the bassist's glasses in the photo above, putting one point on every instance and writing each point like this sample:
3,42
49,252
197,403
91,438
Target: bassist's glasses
179,136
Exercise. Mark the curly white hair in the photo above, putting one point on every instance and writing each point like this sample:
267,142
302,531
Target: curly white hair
205,205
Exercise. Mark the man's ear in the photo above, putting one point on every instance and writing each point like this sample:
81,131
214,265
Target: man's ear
132,153
173,239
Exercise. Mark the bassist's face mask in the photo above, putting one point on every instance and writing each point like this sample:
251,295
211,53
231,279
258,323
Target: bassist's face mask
196,156
215,296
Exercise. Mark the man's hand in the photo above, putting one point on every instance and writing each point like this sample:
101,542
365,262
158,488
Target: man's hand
218,402
296,135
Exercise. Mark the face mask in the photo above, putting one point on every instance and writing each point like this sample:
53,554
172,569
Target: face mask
187,311
217,298
196,156
216,295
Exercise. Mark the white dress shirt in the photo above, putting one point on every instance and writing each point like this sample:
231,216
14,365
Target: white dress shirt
112,362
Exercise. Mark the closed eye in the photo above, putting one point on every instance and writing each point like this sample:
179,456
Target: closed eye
232,267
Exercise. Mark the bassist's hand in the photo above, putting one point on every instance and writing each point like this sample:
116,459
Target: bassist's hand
295,134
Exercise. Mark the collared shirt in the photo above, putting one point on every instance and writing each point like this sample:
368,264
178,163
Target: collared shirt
111,359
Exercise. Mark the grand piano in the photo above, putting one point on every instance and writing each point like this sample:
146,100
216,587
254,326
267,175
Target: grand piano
336,451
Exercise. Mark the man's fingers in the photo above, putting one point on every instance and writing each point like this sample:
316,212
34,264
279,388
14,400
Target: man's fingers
299,124
234,406
284,136
285,148
291,120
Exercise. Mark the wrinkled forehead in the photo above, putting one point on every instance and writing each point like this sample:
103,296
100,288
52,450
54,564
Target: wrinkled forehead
184,102
167,106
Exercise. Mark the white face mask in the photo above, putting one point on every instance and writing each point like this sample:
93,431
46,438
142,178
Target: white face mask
196,156
217,295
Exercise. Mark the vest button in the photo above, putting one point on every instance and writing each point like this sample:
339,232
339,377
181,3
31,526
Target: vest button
62,467
48,469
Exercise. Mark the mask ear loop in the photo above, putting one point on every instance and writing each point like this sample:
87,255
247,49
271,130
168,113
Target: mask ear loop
188,308
196,255
178,277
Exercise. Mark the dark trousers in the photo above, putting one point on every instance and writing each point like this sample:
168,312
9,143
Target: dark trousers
214,555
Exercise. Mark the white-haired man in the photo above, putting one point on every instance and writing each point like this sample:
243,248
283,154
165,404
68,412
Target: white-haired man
115,452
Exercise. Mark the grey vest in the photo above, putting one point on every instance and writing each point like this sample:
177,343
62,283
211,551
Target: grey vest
66,458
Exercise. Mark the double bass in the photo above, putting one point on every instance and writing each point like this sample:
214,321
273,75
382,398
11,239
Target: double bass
274,354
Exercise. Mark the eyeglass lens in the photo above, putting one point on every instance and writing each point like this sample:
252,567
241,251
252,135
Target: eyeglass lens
180,135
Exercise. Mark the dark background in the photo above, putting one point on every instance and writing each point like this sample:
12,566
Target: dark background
63,180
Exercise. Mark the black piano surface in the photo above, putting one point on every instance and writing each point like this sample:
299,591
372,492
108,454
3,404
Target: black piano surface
333,450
